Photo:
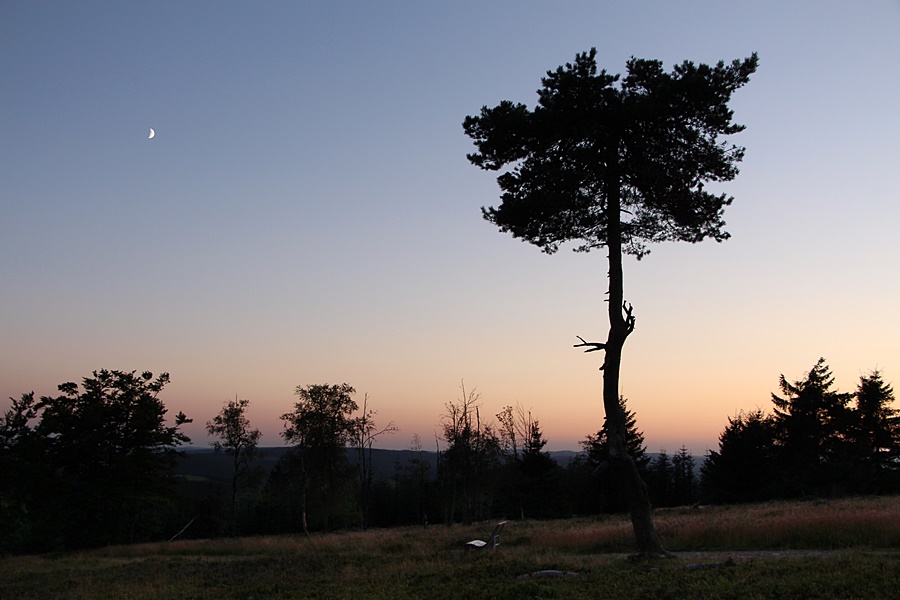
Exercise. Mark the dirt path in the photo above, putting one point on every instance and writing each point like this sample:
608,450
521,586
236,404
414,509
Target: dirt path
745,555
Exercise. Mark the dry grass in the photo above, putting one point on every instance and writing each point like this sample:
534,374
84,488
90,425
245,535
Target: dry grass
434,563
846,523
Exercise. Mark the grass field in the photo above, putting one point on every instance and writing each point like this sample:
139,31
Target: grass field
819,549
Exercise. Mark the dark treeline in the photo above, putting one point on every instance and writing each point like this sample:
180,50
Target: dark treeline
817,441
96,465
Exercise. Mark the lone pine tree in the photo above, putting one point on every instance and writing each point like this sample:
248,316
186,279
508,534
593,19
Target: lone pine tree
617,164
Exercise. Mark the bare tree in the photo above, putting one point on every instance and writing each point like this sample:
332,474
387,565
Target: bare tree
363,433
473,448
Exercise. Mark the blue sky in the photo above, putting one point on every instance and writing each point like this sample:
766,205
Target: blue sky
305,213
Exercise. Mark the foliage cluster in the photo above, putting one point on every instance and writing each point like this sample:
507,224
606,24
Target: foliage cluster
90,466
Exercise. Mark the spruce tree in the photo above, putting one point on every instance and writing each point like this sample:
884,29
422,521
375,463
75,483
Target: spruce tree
597,459
812,424
743,469
876,435
684,488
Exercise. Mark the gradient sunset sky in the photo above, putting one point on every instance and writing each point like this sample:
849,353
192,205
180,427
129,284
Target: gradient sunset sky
306,213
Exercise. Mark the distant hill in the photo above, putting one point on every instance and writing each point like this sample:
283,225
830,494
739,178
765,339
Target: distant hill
206,464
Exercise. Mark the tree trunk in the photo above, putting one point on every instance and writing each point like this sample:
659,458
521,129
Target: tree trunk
304,484
234,486
621,323
234,479
303,523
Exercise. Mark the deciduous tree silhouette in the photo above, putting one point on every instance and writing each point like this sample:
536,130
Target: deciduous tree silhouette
24,473
237,439
472,452
98,460
363,433
617,165
319,427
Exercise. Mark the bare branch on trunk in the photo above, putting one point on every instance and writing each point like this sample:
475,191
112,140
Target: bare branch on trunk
592,346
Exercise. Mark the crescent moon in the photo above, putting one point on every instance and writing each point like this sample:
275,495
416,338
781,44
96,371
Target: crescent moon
152,133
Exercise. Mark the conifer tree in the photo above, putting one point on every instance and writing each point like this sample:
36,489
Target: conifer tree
812,423
597,458
684,487
876,435
743,469
660,479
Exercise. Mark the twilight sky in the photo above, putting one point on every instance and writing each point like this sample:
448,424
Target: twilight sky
306,214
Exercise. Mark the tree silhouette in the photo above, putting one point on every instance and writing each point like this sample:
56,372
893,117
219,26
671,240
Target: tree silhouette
615,165
876,434
24,473
659,481
743,468
413,482
363,433
683,481
238,440
812,423
472,452
96,467
530,475
319,427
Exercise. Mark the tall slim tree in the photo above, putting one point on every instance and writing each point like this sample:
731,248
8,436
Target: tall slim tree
876,434
363,433
319,427
472,452
617,165
540,474
683,481
659,480
412,478
236,438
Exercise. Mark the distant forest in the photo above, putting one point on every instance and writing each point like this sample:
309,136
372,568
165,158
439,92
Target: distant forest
100,464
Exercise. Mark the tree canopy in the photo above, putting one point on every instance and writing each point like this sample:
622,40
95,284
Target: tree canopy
599,159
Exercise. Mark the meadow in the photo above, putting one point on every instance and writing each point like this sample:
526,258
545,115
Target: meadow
846,548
